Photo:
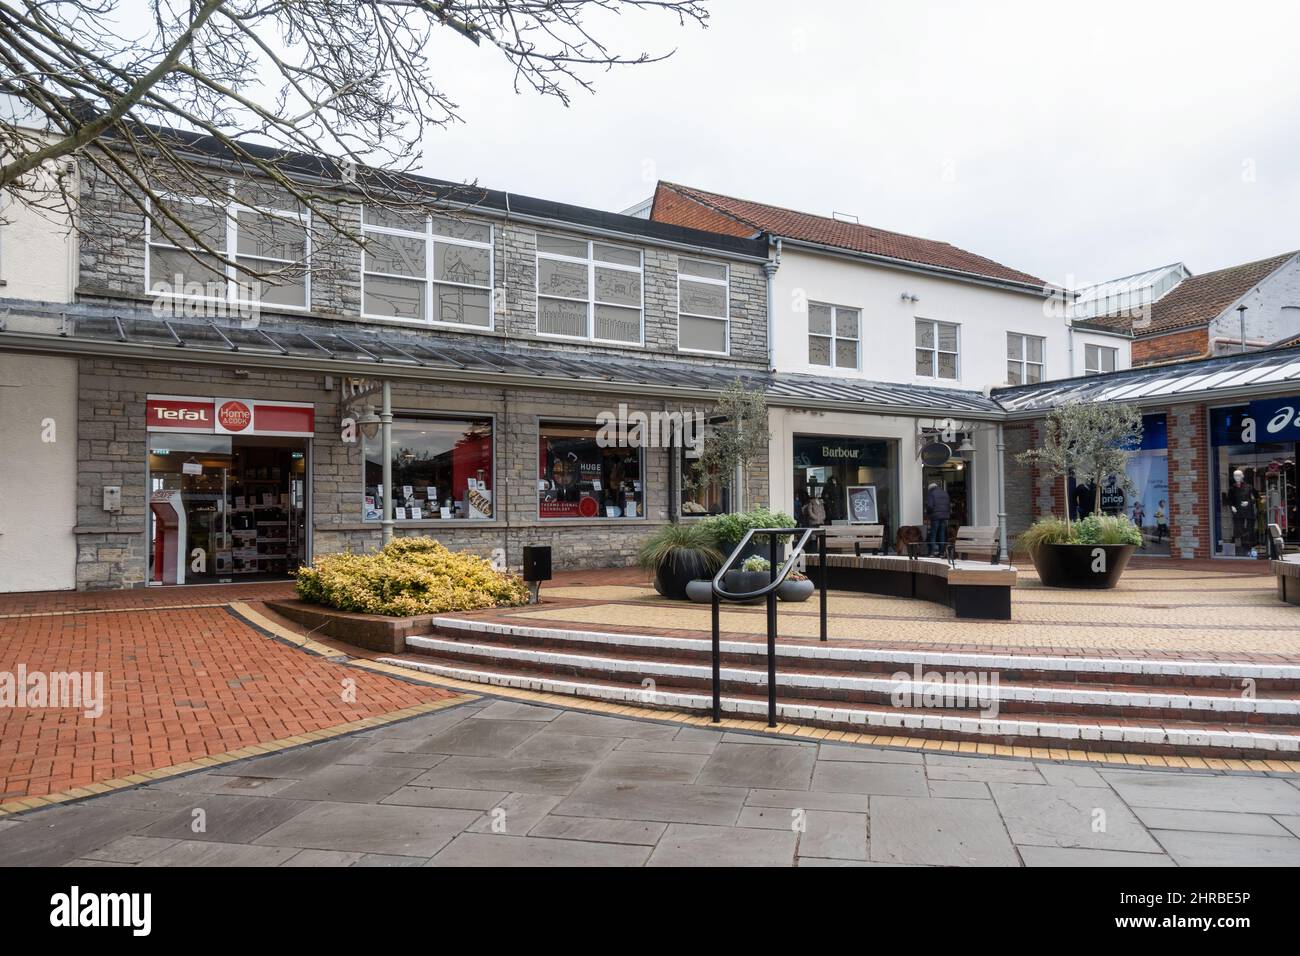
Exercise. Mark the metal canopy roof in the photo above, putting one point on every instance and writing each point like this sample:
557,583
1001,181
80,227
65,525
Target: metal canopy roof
1223,377
885,396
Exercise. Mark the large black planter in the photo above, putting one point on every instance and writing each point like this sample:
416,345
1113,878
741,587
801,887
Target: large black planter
1093,566
672,576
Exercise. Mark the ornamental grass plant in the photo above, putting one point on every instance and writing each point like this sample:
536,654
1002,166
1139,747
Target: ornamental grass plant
406,577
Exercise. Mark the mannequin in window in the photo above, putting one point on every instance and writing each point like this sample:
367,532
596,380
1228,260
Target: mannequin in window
1241,499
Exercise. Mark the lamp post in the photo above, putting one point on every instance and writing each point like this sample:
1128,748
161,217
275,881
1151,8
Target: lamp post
386,440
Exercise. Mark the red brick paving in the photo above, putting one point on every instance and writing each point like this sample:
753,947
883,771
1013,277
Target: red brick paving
179,683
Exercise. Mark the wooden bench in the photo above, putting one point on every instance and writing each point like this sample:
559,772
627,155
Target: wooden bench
1287,570
977,541
1277,546
973,589
855,538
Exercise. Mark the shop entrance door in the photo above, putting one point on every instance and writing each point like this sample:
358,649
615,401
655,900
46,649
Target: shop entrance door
226,508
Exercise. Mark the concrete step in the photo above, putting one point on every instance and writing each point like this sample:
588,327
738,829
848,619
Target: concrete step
915,689
1184,737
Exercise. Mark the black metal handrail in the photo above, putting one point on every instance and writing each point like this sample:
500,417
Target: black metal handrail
775,579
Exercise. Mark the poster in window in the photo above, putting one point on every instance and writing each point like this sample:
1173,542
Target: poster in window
862,504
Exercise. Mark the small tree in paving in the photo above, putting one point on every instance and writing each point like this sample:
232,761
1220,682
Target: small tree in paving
738,436
1091,442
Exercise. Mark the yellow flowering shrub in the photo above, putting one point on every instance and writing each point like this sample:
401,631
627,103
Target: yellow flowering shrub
406,577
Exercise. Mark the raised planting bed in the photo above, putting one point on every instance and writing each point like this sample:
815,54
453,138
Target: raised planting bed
371,631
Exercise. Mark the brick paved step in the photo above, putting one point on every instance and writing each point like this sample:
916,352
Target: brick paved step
918,691
1188,738
1202,675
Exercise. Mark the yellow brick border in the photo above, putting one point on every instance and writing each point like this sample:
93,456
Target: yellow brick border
797,731
264,623
252,750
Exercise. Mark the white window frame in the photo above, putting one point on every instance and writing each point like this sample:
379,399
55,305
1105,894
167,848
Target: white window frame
233,208
1023,361
591,301
935,352
1088,368
725,282
497,499
835,338
428,280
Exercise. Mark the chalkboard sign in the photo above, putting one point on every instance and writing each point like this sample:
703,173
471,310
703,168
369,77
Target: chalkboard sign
862,504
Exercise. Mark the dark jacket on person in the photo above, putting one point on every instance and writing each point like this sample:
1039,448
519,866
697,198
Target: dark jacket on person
937,505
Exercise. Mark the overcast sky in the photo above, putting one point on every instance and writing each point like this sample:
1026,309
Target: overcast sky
1076,142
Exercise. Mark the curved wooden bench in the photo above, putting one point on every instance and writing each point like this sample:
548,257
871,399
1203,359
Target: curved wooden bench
973,589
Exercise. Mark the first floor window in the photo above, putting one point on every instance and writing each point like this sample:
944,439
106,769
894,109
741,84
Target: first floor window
833,332
265,248
588,290
702,313
442,469
579,476
1024,358
1098,359
936,349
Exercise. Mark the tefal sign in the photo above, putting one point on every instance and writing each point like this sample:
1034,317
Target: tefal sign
229,416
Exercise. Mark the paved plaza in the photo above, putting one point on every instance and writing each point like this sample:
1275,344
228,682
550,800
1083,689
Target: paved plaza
500,783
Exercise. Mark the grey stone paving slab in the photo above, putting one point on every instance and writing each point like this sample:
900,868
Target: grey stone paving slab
486,849
699,733
636,832
96,864
223,818
322,858
298,762
561,746
678,745
1291,823
516,815
346,783
481,738
510,774
1210,821
381,859
52,837
963,789
985,769
939,832
375,828
423,726
130,849
1070,775
390,758
152,798
573,722
634,767
1074,856
759,765
662,802
198,853
209,782
867,754
835,835
771,818
446,798
1067,816
1228,849
812,861
9,825
871,778
510,710
687,844
808,800
732,737
1186,791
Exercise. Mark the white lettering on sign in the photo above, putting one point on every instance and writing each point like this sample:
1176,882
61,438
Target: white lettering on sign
1247,430
1281,420
182,414
829,452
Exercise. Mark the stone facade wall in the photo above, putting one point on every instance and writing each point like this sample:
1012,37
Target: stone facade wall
1190,530
112,450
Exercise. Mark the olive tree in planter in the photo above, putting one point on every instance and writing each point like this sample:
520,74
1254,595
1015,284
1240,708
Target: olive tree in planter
1091,442
737,435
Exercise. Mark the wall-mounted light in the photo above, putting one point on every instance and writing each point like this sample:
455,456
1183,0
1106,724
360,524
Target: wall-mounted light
910,297
369,422
966,446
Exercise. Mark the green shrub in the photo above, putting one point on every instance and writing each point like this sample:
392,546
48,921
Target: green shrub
673,543
408,576
755,563
1043,531
1106,529
727,530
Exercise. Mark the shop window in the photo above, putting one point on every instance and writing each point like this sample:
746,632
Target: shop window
1147,504
833,333
936,349
588,290
1024,358
843,479
1254,465
1098,359
268,247
702,307
442,470
580,477
426,269
712,497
